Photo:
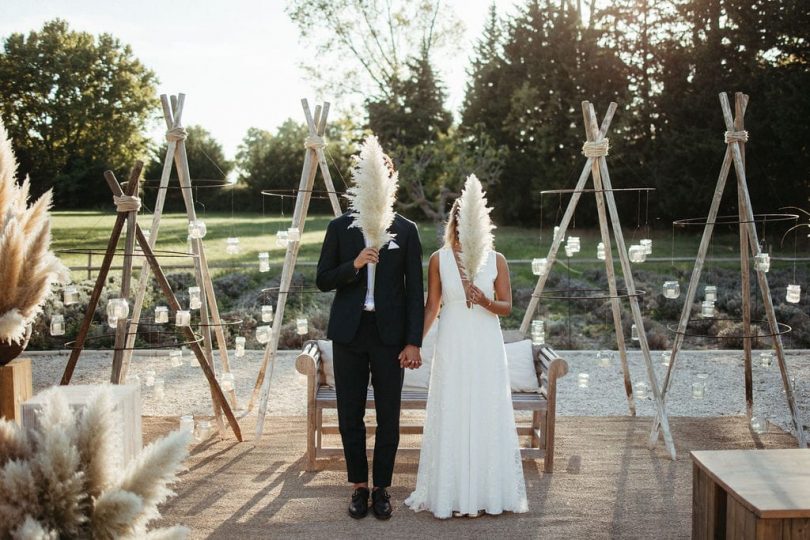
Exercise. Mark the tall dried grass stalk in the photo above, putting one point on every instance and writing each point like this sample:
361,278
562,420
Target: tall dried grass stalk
27,266
59,481
373,194
474,227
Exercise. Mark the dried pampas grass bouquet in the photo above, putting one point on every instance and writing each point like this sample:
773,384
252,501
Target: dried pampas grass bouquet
474,228
372,197
27,266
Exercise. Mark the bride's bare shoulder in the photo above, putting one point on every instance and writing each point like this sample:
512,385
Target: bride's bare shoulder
434,257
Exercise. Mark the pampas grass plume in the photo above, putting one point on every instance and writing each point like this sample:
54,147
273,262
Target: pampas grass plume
372,197
474,227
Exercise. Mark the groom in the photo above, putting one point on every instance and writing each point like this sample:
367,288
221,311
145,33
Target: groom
374,332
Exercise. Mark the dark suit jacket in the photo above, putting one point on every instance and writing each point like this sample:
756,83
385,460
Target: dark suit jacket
399,297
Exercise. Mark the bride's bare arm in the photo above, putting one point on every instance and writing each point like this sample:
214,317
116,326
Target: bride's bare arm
501,305
434,297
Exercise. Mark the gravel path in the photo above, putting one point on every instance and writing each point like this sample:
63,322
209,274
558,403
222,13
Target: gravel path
187,392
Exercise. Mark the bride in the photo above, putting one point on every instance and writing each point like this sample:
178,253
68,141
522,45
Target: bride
470,461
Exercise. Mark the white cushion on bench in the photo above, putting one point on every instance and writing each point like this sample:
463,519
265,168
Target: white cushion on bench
522,375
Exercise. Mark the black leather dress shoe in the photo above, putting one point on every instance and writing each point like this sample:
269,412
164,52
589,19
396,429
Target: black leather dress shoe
381,504
358,508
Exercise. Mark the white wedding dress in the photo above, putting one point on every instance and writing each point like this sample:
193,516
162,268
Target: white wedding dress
470,459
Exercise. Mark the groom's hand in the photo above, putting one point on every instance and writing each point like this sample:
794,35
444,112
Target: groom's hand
410,357
367,256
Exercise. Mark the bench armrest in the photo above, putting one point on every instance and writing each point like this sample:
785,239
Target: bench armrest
308,361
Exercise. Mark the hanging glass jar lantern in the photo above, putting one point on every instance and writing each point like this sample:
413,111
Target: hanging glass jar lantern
232,245
637,253
197,229
583,380
161,315
539,266
302,326
263,334
538,332
240,346
646,243
194,298
672,289
117,308
264,261
641,390
176,358
762,262
182,318
267,313
71,295
282,239
634,333
568,251
187,423
293,234
710,293
57,325
159,389
573,244
766,359
794,294
149,378
600,251
226,381
707,309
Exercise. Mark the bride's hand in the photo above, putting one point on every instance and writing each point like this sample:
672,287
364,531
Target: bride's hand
477,296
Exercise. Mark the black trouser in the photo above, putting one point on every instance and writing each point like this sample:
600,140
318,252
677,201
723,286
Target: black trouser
353,363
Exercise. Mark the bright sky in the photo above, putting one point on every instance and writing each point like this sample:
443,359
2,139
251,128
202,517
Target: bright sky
237,60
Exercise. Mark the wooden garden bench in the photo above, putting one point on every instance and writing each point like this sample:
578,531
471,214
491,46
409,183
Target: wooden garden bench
549,368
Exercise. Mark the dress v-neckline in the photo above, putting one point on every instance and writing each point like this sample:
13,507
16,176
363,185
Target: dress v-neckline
460,277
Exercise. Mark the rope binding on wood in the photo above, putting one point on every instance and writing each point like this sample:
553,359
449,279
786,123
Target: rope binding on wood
736,136
594,149
314,142
127,203
176,134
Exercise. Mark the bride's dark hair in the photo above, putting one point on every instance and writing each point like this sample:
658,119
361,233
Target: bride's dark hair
451,227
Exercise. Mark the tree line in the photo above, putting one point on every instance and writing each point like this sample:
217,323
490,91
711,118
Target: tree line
76,104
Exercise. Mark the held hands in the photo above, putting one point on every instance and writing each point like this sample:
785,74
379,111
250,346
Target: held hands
367,256
410,357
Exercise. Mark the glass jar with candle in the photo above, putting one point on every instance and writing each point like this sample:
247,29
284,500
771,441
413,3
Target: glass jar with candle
672,289
637,253
267,313
641,390
794,294
301,326
226,381
707,309
70,295
569,252
600,251
176,358
161,314
698,390
759,425
282,239
197,229
634,333
646,243
603,359
293,234
556,231
149,377
538,332
762,262
117,308
264,261
766,359
263,334
203,430
583,380
194,298
57,326
710,293
182,318
539,266
232,245
240,346
187,423
574,243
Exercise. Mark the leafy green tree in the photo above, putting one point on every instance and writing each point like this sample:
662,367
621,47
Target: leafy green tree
74,105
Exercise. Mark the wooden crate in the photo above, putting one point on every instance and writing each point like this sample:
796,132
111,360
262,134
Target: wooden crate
126,404
15,387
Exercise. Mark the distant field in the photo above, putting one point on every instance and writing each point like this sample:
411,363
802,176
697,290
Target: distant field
90,230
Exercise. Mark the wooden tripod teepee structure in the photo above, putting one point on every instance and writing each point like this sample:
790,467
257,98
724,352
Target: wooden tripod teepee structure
127,205
209,311
314,159
735,138
595,150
